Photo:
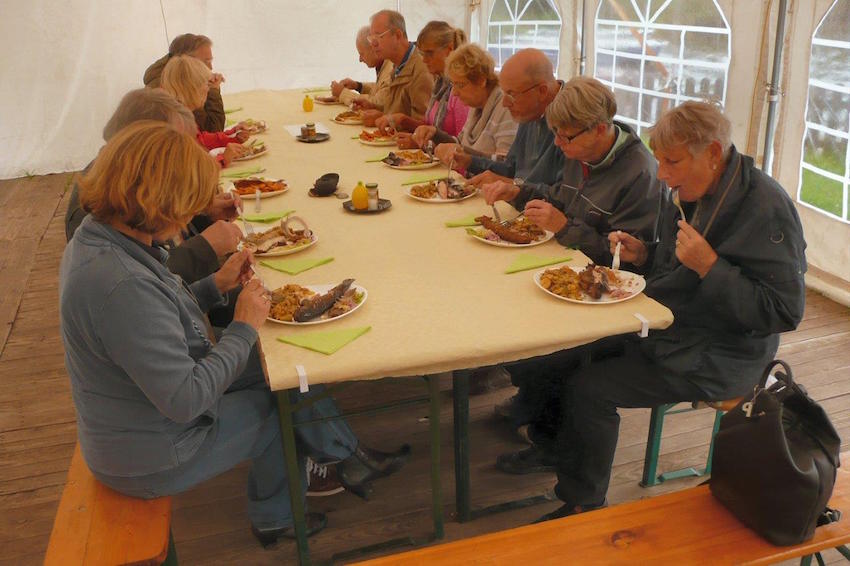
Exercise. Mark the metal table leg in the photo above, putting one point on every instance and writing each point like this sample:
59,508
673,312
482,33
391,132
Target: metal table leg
460,381
293,476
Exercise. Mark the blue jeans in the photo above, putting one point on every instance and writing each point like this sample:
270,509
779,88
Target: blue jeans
248,427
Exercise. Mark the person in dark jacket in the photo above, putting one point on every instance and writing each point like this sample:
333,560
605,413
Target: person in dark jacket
609,183
729,263
210,118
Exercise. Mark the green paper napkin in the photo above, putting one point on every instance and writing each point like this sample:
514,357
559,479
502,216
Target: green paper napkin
232,110
240,173
326,341
416,179
229,122
525,262
461,222
295,266
317,89
266,216
375,160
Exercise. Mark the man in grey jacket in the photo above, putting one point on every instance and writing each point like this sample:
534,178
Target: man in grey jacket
609,183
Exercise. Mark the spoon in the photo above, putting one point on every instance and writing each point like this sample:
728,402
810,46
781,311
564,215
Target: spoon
615,265
678,204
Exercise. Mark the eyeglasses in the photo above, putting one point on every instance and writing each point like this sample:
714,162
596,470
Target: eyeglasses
374,38
569,139
511,96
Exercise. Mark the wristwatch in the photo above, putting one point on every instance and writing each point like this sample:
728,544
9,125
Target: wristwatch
519,181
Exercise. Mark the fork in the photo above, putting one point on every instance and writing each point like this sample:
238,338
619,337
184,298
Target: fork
615,265
678,204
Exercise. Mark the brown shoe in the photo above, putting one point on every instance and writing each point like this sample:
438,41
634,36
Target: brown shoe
322,480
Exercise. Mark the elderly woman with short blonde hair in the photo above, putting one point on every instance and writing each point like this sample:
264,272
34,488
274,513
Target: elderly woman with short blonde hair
728,261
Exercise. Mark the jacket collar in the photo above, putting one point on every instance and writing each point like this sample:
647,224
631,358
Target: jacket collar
716,210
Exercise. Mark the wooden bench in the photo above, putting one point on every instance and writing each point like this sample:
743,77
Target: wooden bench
686,527
96,525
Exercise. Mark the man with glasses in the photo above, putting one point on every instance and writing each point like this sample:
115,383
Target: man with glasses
609,183
410,85
528,86
348,89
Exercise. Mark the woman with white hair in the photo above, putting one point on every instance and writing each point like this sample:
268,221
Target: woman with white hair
728,261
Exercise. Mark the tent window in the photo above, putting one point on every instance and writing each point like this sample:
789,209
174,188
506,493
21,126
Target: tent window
655,54
517,24
825,165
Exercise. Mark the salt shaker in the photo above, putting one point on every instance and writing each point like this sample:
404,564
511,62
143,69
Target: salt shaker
373,195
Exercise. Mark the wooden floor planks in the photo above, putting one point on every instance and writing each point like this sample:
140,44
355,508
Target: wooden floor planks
38,432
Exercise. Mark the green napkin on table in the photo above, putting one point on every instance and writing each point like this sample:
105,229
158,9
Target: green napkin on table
317,89
295,266
525,262
232,110
461,222
376,159
240,173
416,179
266,216
325,341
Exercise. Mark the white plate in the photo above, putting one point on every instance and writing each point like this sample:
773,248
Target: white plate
327,103
349,121
321,289
437,199
502,244
414,166
274,252
630,281
219,150
377,142
249,197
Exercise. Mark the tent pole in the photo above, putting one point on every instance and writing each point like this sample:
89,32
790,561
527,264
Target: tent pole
582,55
774,90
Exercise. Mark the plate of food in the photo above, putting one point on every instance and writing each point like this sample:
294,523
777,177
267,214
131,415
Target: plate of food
593,285
410,159
256,148
376,137
328,100
251,126
283,239
301,305
442,191
248,186
349,117
517,233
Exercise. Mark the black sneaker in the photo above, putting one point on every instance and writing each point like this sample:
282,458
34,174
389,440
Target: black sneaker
268,537
530,460
567,509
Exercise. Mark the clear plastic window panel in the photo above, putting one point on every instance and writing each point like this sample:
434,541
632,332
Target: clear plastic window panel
664,51
825,157
518,24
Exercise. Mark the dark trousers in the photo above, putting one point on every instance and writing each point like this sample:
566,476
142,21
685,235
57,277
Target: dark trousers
589,422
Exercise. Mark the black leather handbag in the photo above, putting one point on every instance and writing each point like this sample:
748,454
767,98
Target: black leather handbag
775,461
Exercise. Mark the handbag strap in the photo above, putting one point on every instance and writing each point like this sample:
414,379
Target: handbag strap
787,377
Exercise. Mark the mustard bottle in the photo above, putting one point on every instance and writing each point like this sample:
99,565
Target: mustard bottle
307,103
360,197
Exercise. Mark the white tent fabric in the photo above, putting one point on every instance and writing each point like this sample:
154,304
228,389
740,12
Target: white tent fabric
65,66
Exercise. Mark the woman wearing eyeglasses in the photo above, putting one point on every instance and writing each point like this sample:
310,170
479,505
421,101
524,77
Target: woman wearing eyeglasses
489,128
435,43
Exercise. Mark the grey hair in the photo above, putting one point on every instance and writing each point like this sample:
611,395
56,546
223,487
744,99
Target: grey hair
148,104
582,102
540,69
362,34
394,20
692,124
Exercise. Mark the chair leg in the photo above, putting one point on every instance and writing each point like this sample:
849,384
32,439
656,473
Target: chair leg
653,446
845,552
717,417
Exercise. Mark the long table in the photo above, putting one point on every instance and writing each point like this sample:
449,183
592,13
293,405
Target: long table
438,299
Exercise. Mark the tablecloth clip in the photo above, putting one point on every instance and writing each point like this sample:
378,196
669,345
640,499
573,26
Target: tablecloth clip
644,325
303,386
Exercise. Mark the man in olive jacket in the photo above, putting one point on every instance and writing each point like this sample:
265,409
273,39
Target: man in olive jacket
210,118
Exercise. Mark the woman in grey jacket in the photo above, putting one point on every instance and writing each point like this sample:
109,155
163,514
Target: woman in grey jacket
729,262
161,404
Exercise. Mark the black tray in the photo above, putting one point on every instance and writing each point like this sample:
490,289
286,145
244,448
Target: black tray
320,137
383,204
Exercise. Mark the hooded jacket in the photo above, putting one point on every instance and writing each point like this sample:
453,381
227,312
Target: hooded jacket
619,193
727,325
210,118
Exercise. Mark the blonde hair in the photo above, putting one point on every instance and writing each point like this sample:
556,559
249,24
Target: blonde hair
694,125
150,177
472,63
184,78
187,43
442,34
149,104
582,102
